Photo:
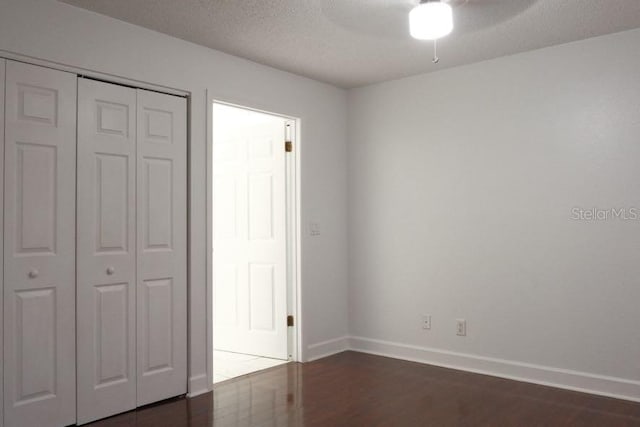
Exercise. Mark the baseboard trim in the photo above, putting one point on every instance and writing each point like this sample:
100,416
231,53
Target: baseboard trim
198,384
615,387
327,348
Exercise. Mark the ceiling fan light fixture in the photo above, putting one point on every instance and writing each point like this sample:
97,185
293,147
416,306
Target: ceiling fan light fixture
430,20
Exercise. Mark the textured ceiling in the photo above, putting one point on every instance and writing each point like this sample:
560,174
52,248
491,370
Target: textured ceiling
352,43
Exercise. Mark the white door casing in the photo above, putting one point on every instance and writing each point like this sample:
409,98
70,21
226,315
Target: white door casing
39,246
249,233
2,65
161,246
106,239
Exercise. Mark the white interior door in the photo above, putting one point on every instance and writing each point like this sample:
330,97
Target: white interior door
161,246
249,233
106,273
39,247
2,65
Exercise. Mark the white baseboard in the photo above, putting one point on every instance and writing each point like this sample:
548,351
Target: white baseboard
326,348
198,384
561,378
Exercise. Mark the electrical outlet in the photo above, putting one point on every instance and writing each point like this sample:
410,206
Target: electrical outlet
426,321
461,327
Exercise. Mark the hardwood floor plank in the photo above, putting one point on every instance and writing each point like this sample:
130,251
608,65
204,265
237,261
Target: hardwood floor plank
354,389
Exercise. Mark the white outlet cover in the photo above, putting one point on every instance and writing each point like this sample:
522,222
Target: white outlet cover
426,321
461,327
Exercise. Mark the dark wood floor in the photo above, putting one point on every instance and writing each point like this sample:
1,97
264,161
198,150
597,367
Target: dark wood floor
354,389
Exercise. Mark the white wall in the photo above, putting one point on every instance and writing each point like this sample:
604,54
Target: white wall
461,186
57,32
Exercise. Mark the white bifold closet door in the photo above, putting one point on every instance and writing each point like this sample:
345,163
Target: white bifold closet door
131,248
106,250
39,247
162,247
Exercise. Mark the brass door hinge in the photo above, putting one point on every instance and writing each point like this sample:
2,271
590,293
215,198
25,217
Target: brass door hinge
289,320
288,146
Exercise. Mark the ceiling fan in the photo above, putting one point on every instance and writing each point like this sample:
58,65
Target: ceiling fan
388,20
431,20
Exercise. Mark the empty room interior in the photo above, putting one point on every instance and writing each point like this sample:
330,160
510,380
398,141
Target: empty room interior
319,213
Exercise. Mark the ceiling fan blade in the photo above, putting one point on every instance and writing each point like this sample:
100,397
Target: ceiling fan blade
459,3
378,18
388,19
476,15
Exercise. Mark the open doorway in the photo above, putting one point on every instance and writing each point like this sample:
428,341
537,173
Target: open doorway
254,219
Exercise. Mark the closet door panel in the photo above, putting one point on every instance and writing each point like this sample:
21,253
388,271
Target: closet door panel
106,249
39,246
2,74
161,231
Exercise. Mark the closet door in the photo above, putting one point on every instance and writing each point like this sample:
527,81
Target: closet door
106,249
2,65
39,246
162,231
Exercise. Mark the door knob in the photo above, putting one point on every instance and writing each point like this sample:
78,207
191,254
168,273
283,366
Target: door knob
110,270
33,273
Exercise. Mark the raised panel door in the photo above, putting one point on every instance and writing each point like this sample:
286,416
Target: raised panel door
161,247
106,249
249,233
39,246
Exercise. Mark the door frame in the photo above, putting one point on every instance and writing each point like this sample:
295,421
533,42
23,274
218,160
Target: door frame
3,65
294,334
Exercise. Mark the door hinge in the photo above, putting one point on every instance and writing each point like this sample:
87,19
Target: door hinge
289,320
288,146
